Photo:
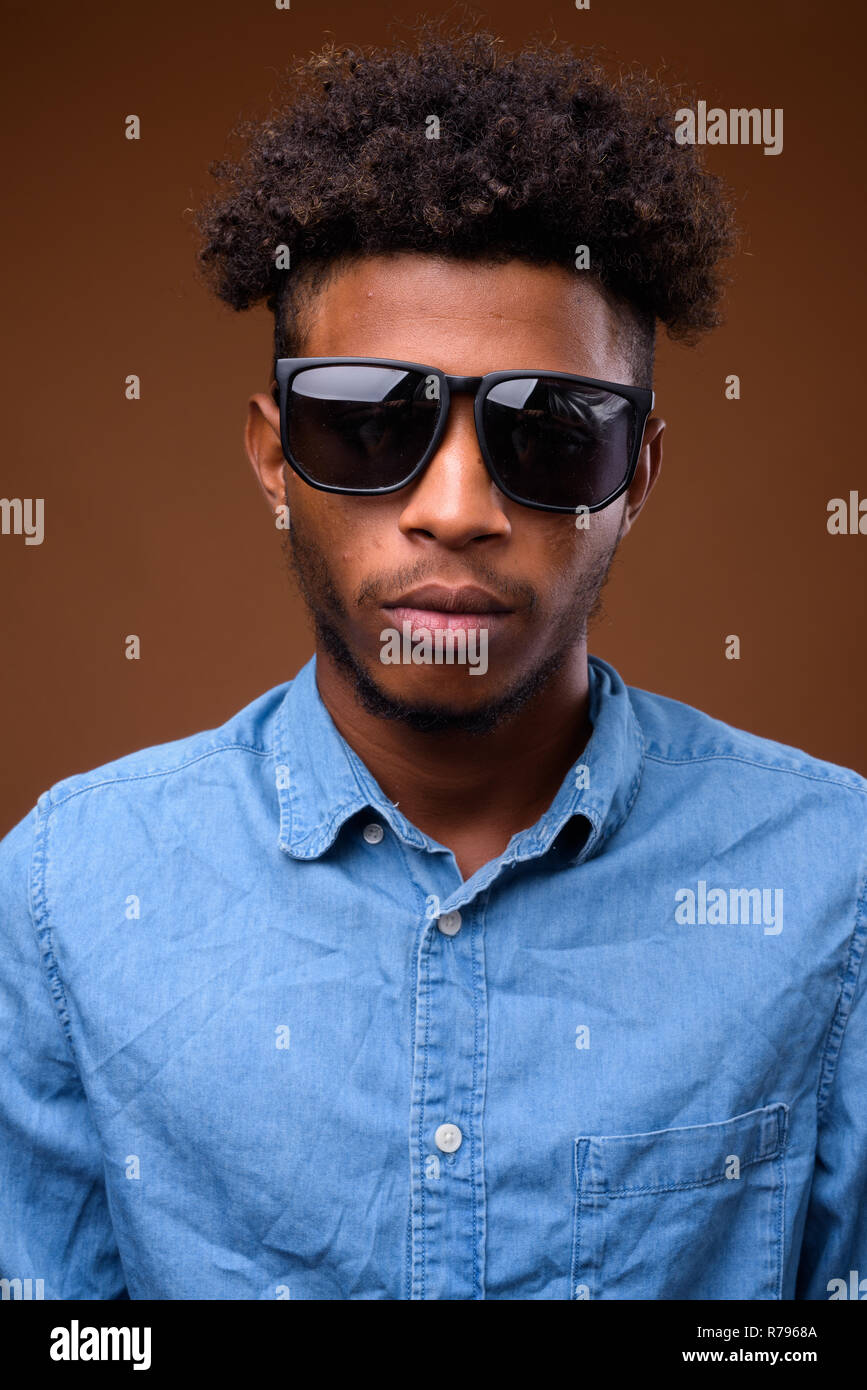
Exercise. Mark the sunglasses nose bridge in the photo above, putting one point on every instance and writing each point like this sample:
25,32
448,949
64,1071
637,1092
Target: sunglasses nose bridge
464,384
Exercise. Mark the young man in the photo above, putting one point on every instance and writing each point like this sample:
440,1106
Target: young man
453,968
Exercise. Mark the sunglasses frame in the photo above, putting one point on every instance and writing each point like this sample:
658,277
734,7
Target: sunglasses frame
287,368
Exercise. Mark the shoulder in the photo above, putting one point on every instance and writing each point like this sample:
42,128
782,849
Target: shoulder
247,737
679,736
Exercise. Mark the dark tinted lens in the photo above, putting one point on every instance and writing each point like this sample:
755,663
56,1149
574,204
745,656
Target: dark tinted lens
560,444
359,426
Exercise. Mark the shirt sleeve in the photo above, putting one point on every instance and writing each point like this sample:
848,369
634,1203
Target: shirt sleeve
834,1252
55,1224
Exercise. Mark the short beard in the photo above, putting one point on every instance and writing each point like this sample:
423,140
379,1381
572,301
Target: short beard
308,564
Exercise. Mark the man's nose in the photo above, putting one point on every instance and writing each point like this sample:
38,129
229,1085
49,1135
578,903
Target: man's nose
456,500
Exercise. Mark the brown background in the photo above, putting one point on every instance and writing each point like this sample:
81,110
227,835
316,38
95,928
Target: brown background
154,523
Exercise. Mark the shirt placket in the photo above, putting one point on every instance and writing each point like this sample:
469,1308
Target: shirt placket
447,1225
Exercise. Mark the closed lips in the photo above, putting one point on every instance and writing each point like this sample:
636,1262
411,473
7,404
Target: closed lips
437,598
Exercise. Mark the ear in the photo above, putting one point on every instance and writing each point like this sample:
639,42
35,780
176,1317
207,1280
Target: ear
263,447
646,471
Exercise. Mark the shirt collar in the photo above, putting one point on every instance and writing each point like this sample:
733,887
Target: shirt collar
321,782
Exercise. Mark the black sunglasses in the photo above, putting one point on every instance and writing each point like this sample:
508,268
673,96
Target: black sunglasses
368,425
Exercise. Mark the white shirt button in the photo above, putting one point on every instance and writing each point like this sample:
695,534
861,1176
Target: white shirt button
373,833
449,923
448,1138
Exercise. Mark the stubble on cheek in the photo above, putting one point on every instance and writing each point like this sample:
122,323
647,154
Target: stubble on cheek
576,593
305,560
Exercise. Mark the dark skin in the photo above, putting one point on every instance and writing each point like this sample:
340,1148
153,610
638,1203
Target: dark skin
453,526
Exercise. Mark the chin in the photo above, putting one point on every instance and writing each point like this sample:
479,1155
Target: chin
459,704
433,698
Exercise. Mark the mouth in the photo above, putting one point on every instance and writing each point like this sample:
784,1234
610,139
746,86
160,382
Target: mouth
435,606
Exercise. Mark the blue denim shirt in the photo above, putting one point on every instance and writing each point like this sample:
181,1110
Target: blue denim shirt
261,1041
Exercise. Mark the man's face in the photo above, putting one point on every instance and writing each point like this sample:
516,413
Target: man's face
356,557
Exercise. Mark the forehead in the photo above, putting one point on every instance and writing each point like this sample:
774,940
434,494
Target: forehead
466,317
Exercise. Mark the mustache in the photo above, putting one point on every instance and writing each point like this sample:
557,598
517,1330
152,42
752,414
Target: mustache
375,587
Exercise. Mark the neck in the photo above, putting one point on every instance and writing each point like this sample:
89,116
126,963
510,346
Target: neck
470,792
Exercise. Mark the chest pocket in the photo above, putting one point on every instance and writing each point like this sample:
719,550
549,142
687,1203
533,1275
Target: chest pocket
686,1213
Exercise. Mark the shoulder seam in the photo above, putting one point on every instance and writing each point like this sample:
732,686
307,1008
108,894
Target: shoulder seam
39,916
756,762
161,772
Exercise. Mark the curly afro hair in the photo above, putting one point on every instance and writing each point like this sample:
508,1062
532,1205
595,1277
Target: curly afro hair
538,151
